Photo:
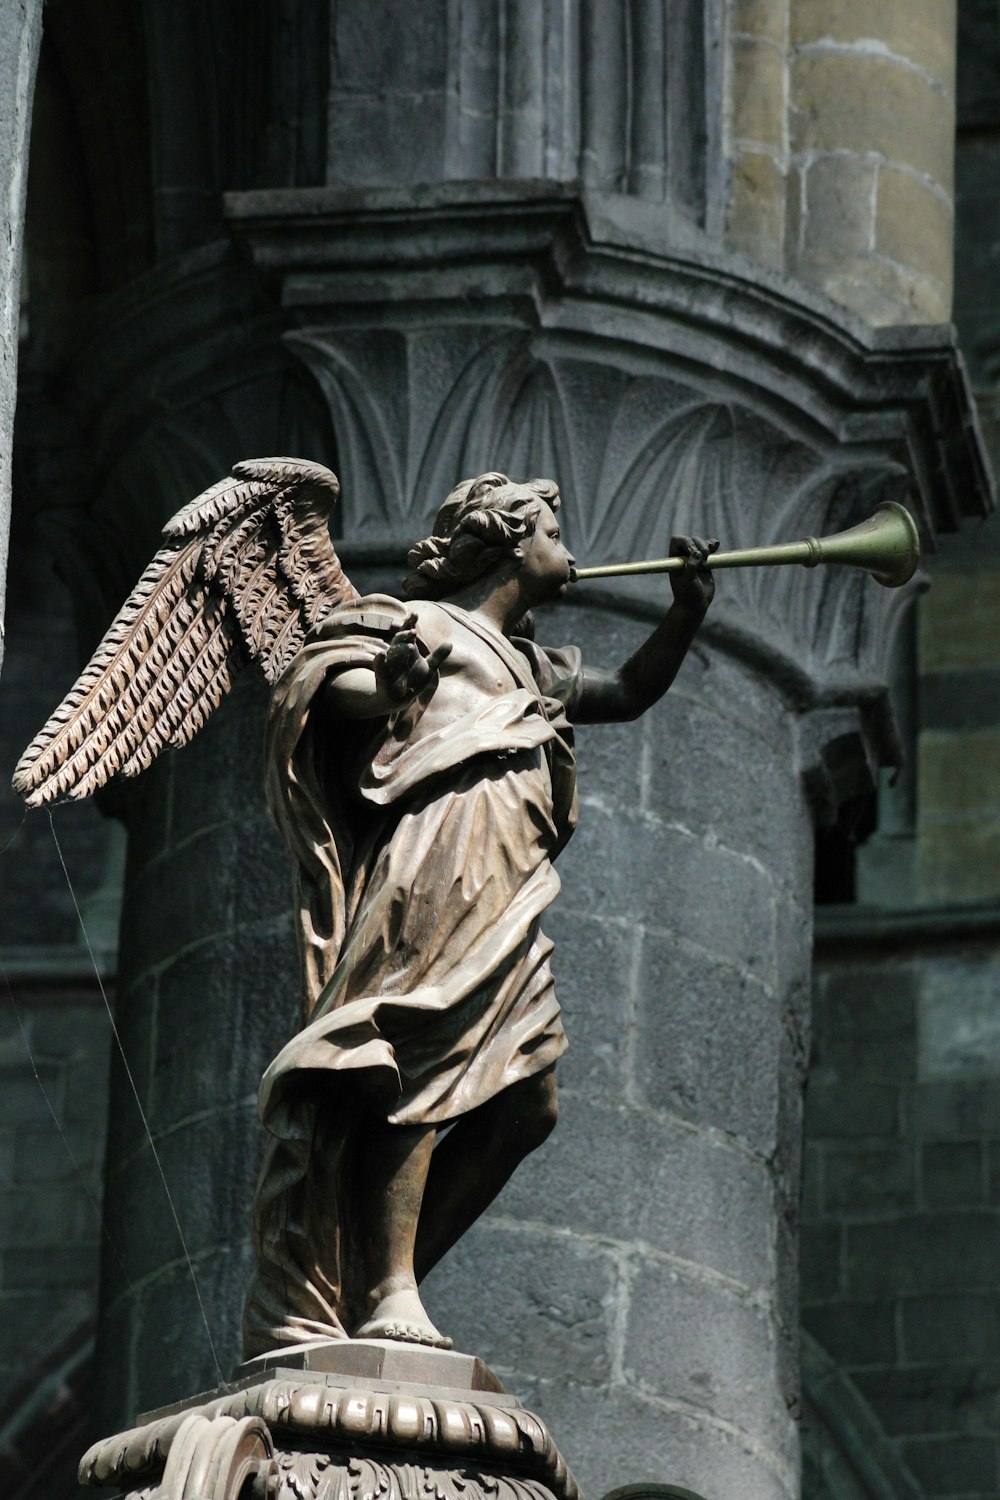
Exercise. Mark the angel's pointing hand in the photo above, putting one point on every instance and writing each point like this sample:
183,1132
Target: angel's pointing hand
402,671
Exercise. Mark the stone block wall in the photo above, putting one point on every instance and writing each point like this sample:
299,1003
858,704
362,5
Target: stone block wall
209,992
958,833
52,1015
842,149
901,1207
50,1172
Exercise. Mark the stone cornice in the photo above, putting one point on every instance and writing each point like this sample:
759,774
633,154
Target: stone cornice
588,270
443,1427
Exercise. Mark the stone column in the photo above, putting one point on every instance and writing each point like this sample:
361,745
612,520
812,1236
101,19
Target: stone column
20,33
842,141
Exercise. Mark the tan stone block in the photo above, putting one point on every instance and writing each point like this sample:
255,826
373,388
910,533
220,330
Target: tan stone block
877,290
763,18
923,31
794,198
958,774
959,622
758,93
959,861
757,208
839,202
915,226
853,102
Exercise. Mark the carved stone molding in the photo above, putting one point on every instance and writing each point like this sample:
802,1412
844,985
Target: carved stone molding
334,1435
533,256
461,327
624,97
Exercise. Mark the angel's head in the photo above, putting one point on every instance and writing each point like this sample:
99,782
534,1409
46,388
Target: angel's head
485,523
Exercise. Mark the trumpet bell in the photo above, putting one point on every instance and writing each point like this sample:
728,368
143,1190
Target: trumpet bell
886,545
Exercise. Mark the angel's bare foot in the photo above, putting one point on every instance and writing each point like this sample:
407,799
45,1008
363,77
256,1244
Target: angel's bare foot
401,1315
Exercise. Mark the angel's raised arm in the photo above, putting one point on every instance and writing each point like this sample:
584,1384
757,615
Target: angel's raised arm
611,697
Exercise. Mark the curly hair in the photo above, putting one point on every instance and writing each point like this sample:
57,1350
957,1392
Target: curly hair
483,521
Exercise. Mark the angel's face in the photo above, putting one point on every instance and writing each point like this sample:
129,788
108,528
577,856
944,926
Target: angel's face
548,564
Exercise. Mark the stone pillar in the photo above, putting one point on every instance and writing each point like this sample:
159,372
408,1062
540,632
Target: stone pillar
842,140
20,33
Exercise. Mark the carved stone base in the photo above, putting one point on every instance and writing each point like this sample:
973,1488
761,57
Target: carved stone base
351,1420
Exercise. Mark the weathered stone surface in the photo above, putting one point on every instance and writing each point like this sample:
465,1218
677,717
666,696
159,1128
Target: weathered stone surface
959,621
760,18
855,1333
920,31
757,207
551,1306
969,1463
954,1108
20,36
861,1035
910,1401
914,225
850,1108
869,1179
627,1175
595,978
958,860
959,1030
839,216
687,1004
879,1257
713,1351
860,102
884,293
758,79
680,1447
951,1174
609,844
934,1326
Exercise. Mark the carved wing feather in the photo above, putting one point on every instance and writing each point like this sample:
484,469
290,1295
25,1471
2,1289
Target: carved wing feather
247,568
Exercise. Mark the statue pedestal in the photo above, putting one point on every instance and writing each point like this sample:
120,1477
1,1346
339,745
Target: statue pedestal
346,1420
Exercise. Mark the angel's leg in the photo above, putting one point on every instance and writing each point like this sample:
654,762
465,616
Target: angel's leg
397,1159
475,1159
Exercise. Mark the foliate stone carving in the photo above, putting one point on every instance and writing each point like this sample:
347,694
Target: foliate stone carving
667,393
322,1476
309,1438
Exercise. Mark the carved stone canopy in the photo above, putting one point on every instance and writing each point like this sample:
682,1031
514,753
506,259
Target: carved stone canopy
453,325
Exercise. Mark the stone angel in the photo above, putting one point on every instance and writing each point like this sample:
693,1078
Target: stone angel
419,762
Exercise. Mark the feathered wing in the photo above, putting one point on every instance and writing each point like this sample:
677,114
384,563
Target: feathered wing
245,571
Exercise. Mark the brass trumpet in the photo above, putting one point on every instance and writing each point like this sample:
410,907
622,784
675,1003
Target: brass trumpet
886,546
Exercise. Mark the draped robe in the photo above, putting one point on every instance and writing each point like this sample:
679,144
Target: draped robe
423,846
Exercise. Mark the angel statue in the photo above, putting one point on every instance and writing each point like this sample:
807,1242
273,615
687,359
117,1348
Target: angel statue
419,763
